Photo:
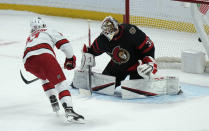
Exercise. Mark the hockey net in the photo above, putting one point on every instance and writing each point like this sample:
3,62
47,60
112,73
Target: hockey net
170,25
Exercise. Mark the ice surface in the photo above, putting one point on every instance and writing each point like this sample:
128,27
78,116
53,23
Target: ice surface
26,108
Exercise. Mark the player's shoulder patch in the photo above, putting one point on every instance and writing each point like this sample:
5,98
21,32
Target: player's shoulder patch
132,30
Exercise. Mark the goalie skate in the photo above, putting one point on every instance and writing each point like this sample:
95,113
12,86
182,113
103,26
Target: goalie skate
73,117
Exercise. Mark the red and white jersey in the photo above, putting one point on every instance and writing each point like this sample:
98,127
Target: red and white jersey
43,41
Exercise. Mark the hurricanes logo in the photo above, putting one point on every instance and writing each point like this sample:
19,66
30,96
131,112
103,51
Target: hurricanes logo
120,55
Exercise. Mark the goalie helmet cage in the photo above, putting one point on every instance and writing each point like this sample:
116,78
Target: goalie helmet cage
174,19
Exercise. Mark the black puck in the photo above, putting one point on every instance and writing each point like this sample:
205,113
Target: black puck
199,39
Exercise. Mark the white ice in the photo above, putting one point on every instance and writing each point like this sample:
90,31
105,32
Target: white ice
26,108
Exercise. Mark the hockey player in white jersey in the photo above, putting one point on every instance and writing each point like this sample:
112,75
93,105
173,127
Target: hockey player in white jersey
39,59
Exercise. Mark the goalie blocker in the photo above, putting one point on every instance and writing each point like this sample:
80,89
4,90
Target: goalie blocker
130,89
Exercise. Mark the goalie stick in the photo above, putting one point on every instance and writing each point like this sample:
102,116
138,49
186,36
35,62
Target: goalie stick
27,81
89,72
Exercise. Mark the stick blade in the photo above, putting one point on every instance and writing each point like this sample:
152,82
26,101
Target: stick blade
26,81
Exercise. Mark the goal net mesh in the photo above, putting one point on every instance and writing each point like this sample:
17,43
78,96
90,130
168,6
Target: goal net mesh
169,24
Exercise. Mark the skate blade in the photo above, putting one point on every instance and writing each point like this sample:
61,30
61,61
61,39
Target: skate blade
79,121
180,92
57,114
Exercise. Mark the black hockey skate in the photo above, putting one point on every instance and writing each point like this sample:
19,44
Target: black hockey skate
180,92
72,116
73,86
54,103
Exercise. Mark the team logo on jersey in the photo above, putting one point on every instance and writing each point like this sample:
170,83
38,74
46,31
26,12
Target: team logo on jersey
149,42
132,30
120,55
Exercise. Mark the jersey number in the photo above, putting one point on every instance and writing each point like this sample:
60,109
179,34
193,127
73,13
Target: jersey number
30,39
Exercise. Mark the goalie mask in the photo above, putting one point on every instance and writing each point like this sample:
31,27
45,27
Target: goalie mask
37,23
109,27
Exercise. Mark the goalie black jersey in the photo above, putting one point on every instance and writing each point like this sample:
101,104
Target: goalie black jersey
126,48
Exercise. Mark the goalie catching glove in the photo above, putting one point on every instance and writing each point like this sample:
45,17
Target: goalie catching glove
70,63
147,67
87,59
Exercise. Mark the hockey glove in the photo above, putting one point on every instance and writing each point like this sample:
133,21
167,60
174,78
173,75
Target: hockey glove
87,60
144,70
85,49
147,68
70,63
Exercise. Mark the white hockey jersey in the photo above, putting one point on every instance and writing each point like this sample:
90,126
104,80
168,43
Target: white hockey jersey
43,41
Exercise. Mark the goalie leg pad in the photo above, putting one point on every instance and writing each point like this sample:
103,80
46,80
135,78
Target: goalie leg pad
80,79
103,84
142,88
100,83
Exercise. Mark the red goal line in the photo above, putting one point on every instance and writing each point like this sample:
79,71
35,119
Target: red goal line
195,1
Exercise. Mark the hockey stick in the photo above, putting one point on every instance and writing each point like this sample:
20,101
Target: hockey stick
89,72
27,81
